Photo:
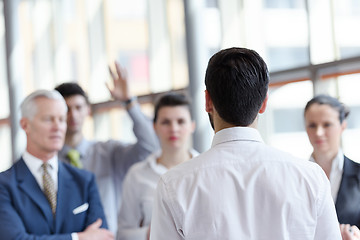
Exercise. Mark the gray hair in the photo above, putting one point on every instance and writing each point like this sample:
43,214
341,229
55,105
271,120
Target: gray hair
28,106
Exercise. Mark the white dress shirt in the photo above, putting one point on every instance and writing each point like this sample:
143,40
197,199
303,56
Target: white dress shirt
138,196
337,169
244,189
35,166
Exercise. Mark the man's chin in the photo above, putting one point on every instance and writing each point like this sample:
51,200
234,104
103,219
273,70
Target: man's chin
54,149
58,146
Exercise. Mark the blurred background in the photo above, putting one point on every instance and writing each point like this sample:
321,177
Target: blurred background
310,46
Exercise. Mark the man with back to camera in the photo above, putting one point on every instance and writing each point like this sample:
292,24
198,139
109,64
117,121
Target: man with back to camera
242,188
42,198
109,160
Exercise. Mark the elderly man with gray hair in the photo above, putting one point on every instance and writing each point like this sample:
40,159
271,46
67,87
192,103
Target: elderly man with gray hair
41,197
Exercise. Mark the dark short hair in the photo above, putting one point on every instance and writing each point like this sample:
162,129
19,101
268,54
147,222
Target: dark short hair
70,89
237,81
171,100
334,103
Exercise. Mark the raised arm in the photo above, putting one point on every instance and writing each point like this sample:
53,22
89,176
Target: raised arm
120,90
147,141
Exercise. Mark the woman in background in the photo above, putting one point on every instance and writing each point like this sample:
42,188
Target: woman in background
325,121
173,125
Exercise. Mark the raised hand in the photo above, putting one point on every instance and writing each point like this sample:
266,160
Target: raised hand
120,90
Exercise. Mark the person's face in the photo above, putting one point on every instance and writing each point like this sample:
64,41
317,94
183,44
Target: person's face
78,110
174,126
323,128
45,131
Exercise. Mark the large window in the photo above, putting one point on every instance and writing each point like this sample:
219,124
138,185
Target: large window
347,18
286,41
77,40
282,125
310,47
5,136
348,94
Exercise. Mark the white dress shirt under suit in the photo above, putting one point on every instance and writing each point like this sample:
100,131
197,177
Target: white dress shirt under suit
110,161
138,197
35,166
244,189
337,169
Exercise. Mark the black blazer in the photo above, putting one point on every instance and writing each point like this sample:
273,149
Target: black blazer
348,199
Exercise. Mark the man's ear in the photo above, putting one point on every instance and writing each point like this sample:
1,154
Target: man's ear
209,107
24,123
264,104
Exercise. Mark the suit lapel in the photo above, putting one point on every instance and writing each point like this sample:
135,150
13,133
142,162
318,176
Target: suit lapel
30,187
351,169
350,179
65,186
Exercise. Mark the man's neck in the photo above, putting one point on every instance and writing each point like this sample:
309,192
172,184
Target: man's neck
220,124
74,139
44,156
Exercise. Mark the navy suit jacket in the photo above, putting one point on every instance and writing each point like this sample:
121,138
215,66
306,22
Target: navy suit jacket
348,199
25,212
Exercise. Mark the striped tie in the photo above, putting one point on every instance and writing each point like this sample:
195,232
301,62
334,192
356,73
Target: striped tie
49,188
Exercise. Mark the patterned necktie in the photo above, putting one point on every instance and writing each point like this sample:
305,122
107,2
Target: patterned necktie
49,188
74,157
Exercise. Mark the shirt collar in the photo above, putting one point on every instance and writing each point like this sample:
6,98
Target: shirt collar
34,163
337,163
159,168
236,134
82,147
